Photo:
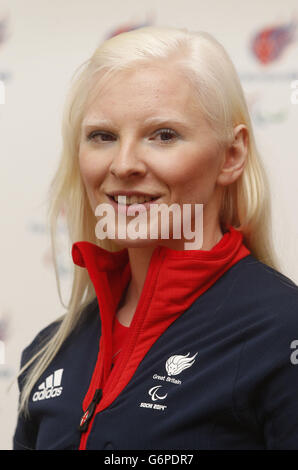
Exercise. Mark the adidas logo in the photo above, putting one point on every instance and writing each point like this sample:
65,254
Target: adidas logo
50,388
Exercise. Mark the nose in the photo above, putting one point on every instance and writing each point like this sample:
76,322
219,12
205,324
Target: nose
127,162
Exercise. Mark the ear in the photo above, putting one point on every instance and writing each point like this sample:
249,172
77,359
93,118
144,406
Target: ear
234,157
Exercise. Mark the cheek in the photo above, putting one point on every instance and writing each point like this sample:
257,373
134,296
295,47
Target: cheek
192,174
92,175
90,169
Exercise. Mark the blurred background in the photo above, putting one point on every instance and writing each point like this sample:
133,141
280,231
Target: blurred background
41,44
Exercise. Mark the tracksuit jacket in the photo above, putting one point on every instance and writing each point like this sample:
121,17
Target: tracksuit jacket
210,360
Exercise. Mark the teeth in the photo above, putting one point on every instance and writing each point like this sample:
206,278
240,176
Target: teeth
132,199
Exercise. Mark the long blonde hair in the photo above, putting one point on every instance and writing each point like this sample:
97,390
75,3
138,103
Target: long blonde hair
245,204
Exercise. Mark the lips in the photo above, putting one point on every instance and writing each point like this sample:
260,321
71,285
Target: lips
125,208
133,199
129,193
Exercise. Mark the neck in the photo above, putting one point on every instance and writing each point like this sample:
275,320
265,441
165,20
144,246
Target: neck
139,259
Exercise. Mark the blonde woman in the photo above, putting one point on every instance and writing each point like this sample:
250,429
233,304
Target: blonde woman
164,345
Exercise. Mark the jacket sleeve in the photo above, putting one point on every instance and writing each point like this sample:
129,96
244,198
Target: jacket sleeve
25,432
26,428
267,384
280,403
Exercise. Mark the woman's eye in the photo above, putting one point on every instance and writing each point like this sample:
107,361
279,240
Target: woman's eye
166,136
95,134
168,133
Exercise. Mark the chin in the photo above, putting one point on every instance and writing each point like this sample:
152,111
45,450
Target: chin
138,243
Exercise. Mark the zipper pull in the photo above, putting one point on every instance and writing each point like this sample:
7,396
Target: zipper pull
84,423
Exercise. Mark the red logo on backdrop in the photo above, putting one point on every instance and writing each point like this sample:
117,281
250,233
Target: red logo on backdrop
269,44
131,26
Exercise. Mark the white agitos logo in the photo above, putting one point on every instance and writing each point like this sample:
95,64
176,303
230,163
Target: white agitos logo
153,393
176,364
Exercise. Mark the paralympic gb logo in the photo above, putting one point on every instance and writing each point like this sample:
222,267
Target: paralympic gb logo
153,393
174,366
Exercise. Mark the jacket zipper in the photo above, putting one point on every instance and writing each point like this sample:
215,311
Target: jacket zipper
139,313
86,418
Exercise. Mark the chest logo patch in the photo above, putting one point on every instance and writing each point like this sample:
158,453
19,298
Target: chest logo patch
176,364
153,393
50,388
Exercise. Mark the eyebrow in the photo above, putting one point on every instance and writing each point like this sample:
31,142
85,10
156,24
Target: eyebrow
152,120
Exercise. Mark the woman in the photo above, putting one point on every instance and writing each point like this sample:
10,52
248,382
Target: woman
162,346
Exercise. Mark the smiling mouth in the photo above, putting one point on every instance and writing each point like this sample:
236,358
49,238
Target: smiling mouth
130,200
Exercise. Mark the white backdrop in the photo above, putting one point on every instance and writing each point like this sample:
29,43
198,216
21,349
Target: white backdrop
41,44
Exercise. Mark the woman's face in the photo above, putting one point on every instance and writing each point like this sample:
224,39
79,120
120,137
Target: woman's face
143,133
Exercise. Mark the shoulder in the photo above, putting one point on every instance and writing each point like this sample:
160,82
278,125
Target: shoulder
40,339
259,284
45,335
265,304
251,267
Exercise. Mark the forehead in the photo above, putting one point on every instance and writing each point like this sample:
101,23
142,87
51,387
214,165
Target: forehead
146,91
